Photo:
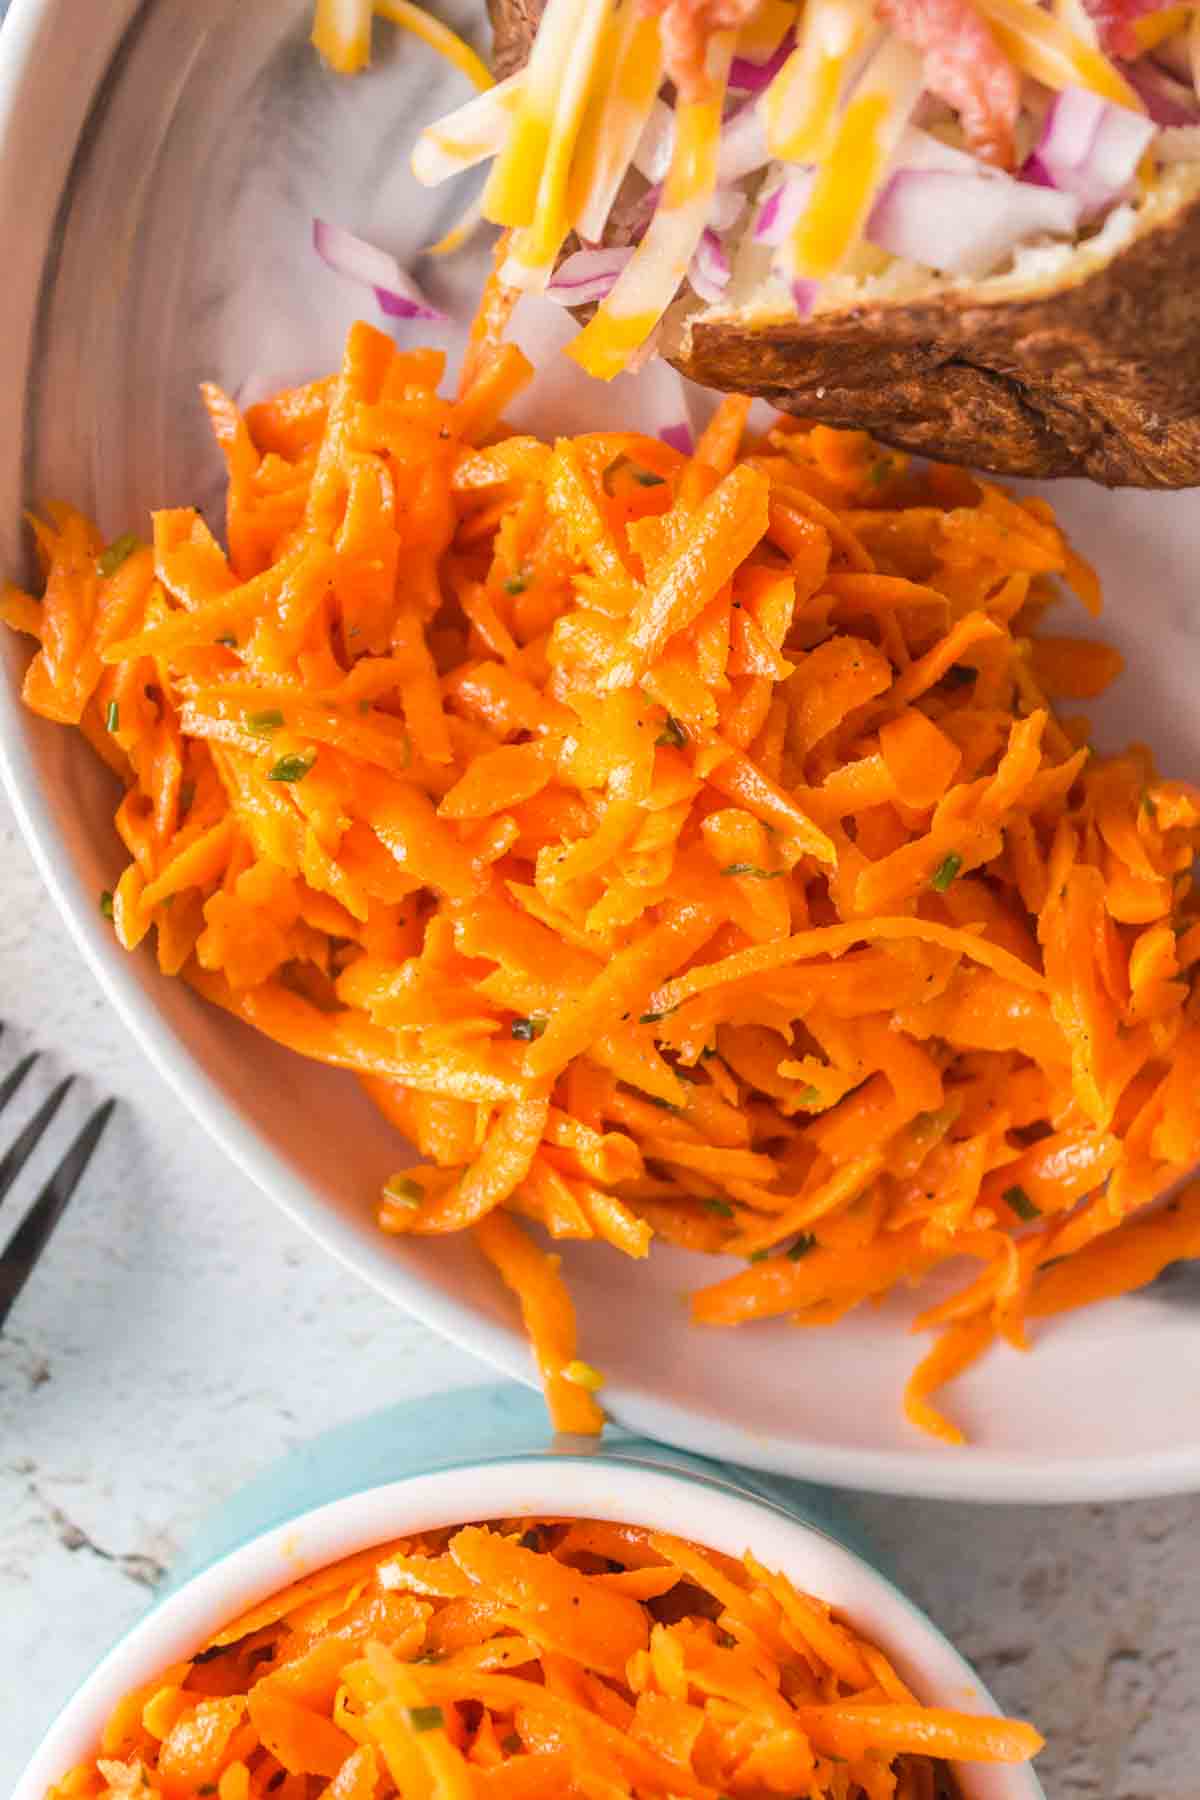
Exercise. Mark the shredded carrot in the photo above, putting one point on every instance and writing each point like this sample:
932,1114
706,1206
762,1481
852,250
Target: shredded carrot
673,847
525,1659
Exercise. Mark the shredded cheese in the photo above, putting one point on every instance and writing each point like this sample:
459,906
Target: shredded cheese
468,136
439,37
800,107
1043,47
616,117
342,33
511,195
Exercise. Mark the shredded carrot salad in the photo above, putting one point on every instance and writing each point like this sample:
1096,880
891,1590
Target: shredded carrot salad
677,847
538,1661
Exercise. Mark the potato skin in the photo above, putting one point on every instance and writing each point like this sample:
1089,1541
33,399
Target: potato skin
1096,377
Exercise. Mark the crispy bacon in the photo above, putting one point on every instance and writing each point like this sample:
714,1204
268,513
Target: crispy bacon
1115,19
687,26
965,67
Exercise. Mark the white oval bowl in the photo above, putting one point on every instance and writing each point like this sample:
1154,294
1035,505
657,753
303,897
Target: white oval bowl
111,307
710,1510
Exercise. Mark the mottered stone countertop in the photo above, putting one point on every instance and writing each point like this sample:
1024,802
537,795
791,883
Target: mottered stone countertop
181,1334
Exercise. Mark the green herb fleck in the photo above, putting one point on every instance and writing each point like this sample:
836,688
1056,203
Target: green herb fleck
721,1208
262,724
364,707
652,1018
404,1191
106,904
757,1256
646,478
803,1244
945,872
110,560
227,639
292,768
112,717
673,733
879,471
511,1744
426,1718
809,1096
753,871
528,1029
1021,1204
516,584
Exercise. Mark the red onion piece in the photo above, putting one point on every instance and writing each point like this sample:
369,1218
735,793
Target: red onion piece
680,438
708,272
728,205
752,77
782,208
396,293
963,224
804,296
1090,148
586,276
1167,101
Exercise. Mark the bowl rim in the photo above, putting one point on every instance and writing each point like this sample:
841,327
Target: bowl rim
710,1507
29,94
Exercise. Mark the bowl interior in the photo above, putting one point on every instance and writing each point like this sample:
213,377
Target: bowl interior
711,1510
164,237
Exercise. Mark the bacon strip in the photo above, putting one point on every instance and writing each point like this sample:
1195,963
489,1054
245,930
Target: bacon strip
687,26
965,67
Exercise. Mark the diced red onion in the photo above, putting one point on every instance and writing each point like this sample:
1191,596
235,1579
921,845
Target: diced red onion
922,150
964,224
782,208
652,158
1167,101
636,218
804,295
743,146
396,293
709,271
752,77
680,438
586,276
1089,148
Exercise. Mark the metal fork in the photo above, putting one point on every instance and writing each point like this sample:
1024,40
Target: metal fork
24,1249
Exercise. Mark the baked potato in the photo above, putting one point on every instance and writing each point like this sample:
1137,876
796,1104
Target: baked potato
1079,355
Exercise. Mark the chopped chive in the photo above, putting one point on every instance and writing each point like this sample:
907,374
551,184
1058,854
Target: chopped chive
757,1256
809,1096
262,724
1021,1204
879,471
528,1029
803,1244
583,1375
112,717
292,768
110,560
227,639
752,870
516,584
426,1718
673,733
404,1191
512,1744
721,1208
945,872
647,478
364,707
652,1018
106,904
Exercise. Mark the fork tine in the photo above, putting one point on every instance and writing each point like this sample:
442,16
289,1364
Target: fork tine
13,1080
35,1230
19,1153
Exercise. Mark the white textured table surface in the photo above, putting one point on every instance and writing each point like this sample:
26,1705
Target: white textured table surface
181,1334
